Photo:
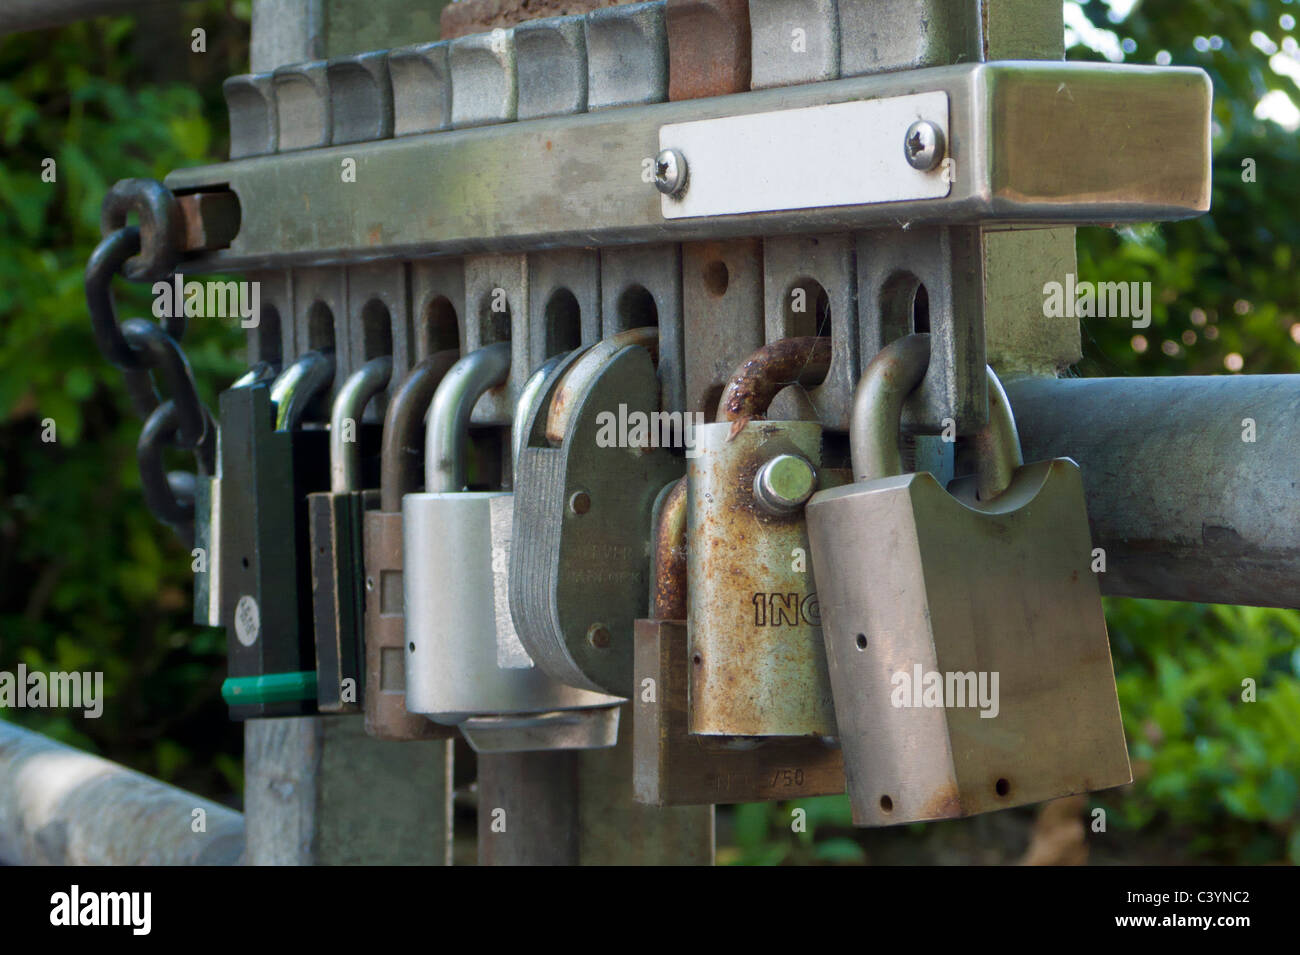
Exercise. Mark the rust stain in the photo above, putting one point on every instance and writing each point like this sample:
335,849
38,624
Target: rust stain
669,556
574,383
708,47
944,803
751,388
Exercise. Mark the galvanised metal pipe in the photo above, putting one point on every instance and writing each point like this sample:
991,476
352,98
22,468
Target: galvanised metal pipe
60,806
1193,483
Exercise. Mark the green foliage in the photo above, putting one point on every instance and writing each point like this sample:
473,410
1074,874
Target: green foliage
88,580
1224,283
1211,704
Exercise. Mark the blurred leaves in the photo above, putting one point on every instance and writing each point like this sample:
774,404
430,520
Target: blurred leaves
88,580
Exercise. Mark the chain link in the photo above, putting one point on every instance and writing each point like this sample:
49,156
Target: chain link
146,351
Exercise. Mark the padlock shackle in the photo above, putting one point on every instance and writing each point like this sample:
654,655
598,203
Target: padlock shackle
446,433
585,370
262,371
533,391
399,458
345,440
298,385
997,445
774,367
897,370
889,378
668,554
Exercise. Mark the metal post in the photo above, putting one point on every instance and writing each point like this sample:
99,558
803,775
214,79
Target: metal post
318,791
1190,481
60,806
528,809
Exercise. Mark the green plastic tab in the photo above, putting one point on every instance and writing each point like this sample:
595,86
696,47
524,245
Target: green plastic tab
269,688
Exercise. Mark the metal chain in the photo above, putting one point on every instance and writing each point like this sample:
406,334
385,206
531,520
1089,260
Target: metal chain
141,348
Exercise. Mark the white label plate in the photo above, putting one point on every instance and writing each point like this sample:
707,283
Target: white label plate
843,154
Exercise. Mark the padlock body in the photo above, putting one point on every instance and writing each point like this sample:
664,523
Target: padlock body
758,663
967,646
338,596
574,570
463,656
384,641
207,577
672,767
265,573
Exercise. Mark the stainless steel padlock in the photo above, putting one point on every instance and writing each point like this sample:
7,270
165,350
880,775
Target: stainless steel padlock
758,664
964,630
385,619
465,665
335,520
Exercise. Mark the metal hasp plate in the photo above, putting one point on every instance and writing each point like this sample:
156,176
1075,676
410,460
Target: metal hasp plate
846,154
1040,142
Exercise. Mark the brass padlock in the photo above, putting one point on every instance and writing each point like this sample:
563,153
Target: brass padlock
968,654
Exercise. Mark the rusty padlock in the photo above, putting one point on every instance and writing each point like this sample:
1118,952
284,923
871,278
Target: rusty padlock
758,665
672,766
964,629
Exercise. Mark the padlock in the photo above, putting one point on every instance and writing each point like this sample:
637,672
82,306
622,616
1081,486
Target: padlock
384,696
268,465
758,663
465,665
964,630
672,766
579,569
206,556
337,573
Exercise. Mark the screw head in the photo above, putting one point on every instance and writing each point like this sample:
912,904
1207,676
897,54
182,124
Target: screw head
923,145
670,172
783,485
598,636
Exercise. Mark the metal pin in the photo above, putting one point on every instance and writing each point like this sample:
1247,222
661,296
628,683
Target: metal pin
783,485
